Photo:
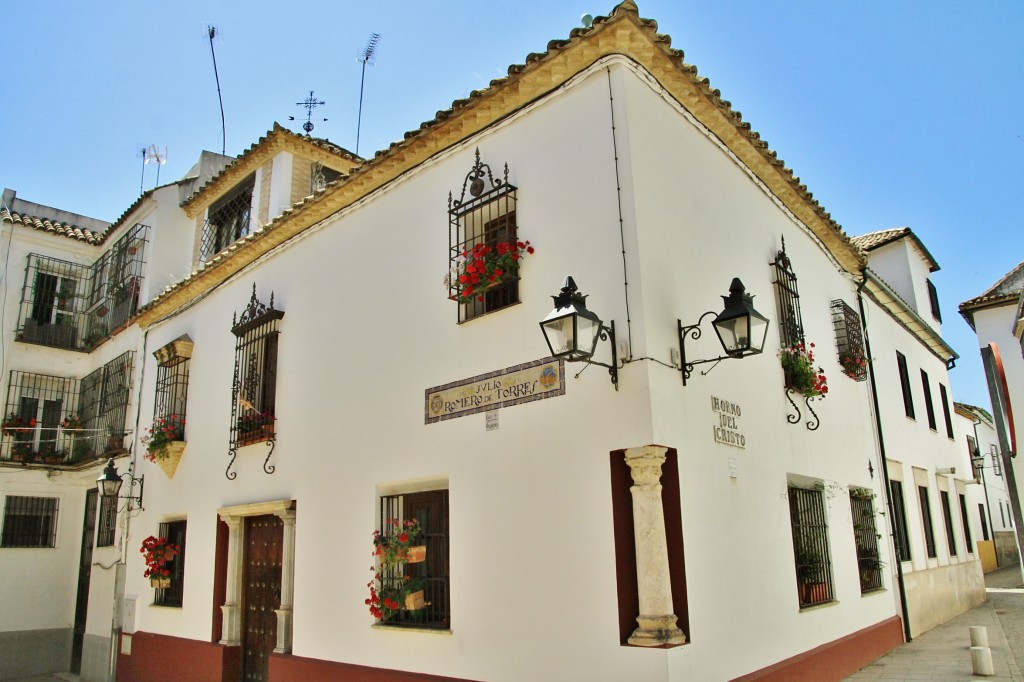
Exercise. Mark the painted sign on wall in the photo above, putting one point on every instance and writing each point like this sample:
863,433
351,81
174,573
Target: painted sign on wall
727,423
505,387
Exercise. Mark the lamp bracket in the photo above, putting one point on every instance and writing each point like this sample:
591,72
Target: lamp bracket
694,332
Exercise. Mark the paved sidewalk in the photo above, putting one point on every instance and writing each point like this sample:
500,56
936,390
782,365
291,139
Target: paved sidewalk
943,653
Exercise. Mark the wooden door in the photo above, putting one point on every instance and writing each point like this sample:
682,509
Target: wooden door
84,576
261,594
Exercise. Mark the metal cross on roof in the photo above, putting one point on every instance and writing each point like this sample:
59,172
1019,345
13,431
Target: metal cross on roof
310,103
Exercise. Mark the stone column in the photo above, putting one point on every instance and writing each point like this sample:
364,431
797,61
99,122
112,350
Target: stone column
284,613
231,627
657,622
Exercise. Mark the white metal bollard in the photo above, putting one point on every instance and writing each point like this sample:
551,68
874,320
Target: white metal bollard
979,635
981,660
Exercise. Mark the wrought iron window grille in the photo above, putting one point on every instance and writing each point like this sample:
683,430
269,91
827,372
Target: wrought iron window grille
173,361
813,559
227,220
865,534
75,307
107,521
849,340
487,216
29,522
926,519
173,595
430,508
791,328
254,382
901,534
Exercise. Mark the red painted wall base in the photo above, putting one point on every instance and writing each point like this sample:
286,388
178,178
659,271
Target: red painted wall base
288,668
158,658
835,660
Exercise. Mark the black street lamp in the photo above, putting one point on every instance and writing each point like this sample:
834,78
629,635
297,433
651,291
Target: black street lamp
109,484
572,330
740,328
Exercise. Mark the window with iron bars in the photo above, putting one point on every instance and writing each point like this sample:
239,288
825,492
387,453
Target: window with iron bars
320,175
172,371
73,306
255,379
926,519
227,220
40,419
29,522
486,218
810,546
865,534
173,595
103,405
899,521
787,298
968,538
947,517
849,340
107,525
430,508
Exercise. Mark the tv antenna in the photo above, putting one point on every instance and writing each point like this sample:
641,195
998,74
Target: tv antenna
367,55
212,31
151,154
310,103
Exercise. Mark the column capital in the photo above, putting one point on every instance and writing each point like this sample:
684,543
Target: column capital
645,464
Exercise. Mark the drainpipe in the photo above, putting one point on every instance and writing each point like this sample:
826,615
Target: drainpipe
884,461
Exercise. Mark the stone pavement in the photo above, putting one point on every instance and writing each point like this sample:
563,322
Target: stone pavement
943,653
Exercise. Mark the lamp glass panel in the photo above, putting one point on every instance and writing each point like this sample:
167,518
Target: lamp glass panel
560,333
734,333
109,487
588,331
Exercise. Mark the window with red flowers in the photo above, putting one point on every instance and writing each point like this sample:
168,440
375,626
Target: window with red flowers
485,249
849,340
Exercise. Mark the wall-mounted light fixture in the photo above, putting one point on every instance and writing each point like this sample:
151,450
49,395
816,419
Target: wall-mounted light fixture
740,329
572,331
109,484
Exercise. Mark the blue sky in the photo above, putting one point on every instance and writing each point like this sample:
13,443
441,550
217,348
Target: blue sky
893,113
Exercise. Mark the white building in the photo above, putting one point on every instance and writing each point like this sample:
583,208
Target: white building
692,518
997,316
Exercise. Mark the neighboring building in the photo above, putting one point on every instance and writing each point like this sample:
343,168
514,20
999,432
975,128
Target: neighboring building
928,469
989,502
997,317
692,518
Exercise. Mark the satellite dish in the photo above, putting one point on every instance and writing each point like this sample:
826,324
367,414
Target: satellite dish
587,20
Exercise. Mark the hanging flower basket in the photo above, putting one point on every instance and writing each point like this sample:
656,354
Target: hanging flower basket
801,376
414,600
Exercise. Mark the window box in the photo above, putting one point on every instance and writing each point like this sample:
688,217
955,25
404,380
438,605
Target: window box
160,583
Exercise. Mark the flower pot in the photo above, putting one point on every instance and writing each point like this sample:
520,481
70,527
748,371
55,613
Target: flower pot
160,583
414,600
102,311
172,456
263,434
415,555
813,593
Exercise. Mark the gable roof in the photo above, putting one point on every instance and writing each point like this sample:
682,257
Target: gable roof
1008,290
622,33
875,240
277,138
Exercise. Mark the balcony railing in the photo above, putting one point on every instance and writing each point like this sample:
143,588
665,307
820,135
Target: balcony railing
73,306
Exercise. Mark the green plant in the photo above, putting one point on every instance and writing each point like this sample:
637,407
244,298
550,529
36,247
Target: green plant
72,424
854,364
483,265
798,364
23,450
388,595
158,552
162,433
810,565
250,425
14,424
391,546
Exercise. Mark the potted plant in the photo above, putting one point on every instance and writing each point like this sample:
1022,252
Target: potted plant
801,375
390,597
812,576
255,427
399,542
484,266
854,364
158,552
72,424
165,442
22,451
13,424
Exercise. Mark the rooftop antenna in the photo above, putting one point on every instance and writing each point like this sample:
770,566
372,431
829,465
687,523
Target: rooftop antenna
145,159
154,154
365,56
310,103
212,31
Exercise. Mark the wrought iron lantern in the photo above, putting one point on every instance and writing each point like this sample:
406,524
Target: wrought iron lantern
109,484
741,329
572,330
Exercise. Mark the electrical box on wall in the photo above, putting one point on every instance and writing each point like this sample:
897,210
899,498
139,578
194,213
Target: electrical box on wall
128,614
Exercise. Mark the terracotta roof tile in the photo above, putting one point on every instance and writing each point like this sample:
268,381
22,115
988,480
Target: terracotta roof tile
53,227
874,240
1008,289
